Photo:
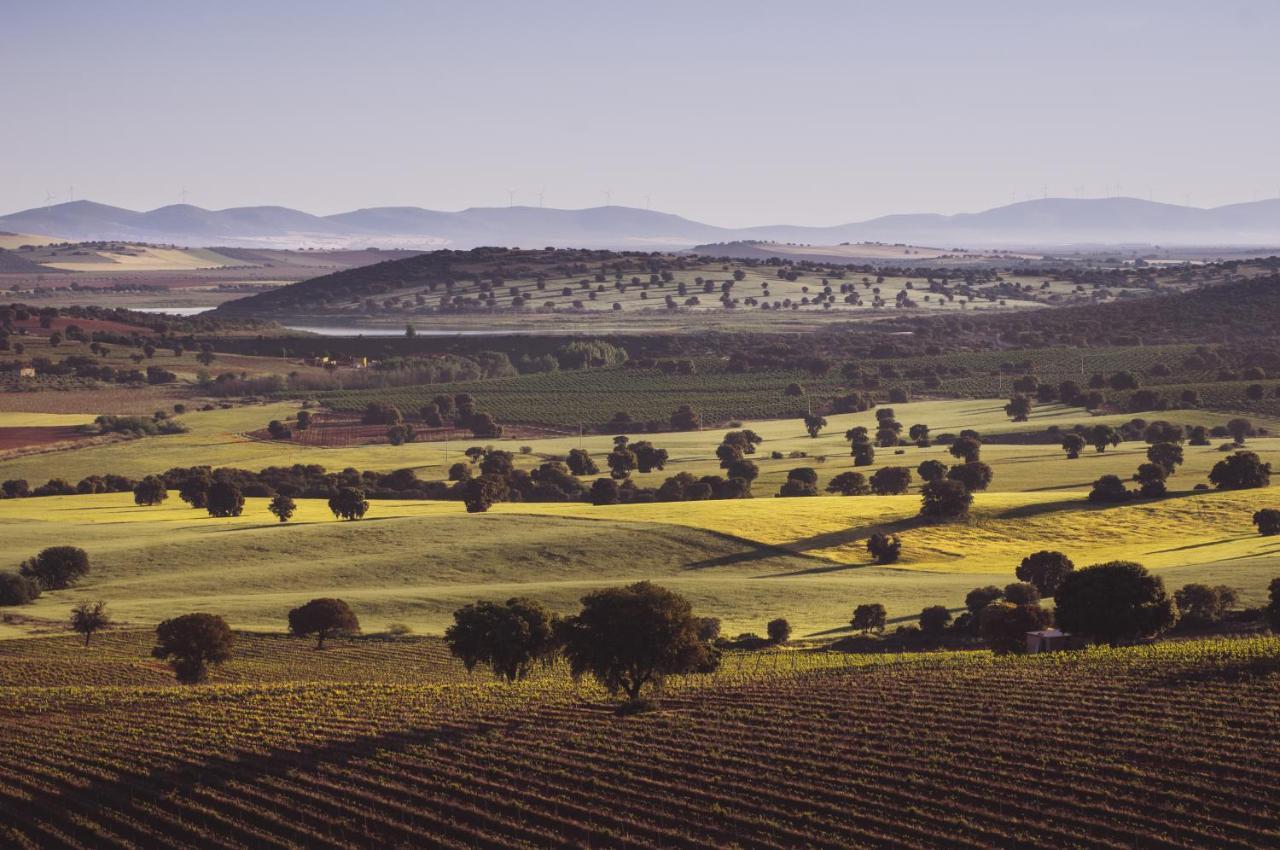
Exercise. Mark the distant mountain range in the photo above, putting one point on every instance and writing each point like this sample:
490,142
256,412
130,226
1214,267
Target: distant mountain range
1046,223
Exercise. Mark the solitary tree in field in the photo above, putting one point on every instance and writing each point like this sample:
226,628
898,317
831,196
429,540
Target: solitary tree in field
1168,456
1268,521
629,637
224,499
919,434
150,491
868,617
1239,429
323,618
779,631
1101,437
884,548
1240,471
191,643
1072,444
348,503
968,449
864,454
509,638
814,424
1109,489
931,470
849,484
1046,570
891,481
56,567
283,507
1018,408
1114,602
89,617
1151,478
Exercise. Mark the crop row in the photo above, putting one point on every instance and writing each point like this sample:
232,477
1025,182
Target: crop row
1166,746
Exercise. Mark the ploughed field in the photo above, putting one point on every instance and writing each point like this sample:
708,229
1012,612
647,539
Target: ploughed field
387,743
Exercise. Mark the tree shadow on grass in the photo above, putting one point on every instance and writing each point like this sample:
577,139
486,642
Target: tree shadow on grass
757,551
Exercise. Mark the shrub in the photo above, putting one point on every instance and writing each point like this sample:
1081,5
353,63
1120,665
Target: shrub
934,620
18,589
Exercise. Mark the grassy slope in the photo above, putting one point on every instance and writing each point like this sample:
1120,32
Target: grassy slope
744,561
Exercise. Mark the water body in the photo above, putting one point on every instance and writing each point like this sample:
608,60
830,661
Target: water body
172,311
347,330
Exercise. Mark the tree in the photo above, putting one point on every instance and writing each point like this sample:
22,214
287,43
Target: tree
283,507
884,548
934,620
621,462
890,481
1046,570
1273,605
481,493
1268,521
1109,489
323,618
278,430
605,491
849,484
89,617
814,423
56,567
628,637
1114,602
398,435
348,503
17,589
483,425
1072,444
1161,431
1202,605
980,597
975,475
1150,478
1019,408
1168,456
648,457
779,631
864,454
1239,429
150,491
685,419
945,500
224,499
1101,437
869,617
580,462
968,449
1022,593
191,643
1240,471
194,490
509,638
1004,625
919,434
931,470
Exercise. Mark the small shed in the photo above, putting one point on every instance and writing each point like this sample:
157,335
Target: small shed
1051,640
26,370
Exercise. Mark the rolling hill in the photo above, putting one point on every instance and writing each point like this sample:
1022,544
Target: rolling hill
1047,222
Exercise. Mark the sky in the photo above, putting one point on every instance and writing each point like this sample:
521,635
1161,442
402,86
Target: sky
734,113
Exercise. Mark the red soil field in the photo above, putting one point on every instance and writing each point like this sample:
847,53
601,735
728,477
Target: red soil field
26,437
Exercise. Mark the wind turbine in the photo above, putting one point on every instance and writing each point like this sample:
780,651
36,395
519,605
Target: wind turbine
608,198
647,199
182,194
511,197
540,193
48,199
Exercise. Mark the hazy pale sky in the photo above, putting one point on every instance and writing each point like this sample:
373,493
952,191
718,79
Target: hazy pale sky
734,113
